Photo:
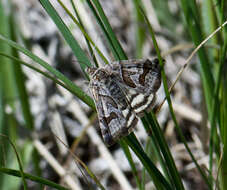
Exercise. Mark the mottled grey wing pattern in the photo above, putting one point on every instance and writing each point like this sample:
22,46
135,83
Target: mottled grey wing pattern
139,79
122,91
115,117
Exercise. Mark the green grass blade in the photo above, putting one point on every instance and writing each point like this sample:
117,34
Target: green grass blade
18,160
47,75
130,160
140,28
20,82
220,104
23,96
82,25
223,129
76,90
170,104
9,96
162,10
78,52
108,32
87,37
191,15
32,178
175,175
120,55
158,179
153,140
172,170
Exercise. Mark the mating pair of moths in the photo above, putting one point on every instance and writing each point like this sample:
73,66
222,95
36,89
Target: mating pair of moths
122,91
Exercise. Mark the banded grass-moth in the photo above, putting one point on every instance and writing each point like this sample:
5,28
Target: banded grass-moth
122,91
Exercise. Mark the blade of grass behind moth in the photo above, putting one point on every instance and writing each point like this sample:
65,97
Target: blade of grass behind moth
82,29
78,52
170,103
47,75
91,174
217,106
152,152
9,96
77,160
36,164
191,16
76,90
223,103
101,18
112,48
6,71
220,8
18,160
140,28
32,178
158,179
171,170
192,19
209,24
109,29
156,147
117,50
114,44
27,148
131,163
87,41
20,82
162,11
223,130
122,57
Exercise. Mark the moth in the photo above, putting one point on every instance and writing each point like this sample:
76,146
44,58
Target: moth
122,91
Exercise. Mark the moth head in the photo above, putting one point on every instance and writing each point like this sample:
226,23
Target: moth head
156,63
99,74
90,70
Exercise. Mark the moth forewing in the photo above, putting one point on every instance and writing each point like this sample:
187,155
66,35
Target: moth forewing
140,80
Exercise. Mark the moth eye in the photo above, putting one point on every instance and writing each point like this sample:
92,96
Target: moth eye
90,70
102,75
156,61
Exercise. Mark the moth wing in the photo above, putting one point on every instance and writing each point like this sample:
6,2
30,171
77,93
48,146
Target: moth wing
142,75
140,80
115,119
139,102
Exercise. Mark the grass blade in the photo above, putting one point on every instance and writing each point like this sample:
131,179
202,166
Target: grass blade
33,178
76,90
78,52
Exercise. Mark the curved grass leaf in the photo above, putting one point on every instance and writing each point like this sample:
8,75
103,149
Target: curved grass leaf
158,179
32,178
107,30
75,89
87,37
78,52
18,160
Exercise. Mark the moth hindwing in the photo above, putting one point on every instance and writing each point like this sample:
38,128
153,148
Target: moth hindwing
122,91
